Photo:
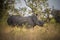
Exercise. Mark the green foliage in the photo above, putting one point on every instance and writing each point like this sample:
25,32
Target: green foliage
4,7
1,8
52,20
35,5
23,9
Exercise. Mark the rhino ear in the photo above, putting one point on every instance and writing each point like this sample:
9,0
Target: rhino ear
36,14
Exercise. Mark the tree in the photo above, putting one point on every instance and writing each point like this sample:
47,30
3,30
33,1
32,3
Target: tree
39,7
23,10
4,7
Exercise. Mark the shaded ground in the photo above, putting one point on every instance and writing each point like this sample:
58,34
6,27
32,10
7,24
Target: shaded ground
48,32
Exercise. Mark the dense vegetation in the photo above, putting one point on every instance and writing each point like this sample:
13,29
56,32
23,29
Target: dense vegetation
50,30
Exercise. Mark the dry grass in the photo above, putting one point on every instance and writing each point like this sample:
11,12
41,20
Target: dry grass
48,32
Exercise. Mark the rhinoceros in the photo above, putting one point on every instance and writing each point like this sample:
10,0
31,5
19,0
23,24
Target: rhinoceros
29,21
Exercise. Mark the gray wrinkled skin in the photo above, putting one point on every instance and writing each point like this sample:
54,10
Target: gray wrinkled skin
29,21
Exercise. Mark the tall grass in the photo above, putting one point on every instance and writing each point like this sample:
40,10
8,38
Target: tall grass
50,31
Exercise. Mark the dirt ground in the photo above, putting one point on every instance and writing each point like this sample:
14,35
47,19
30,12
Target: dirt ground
47,32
